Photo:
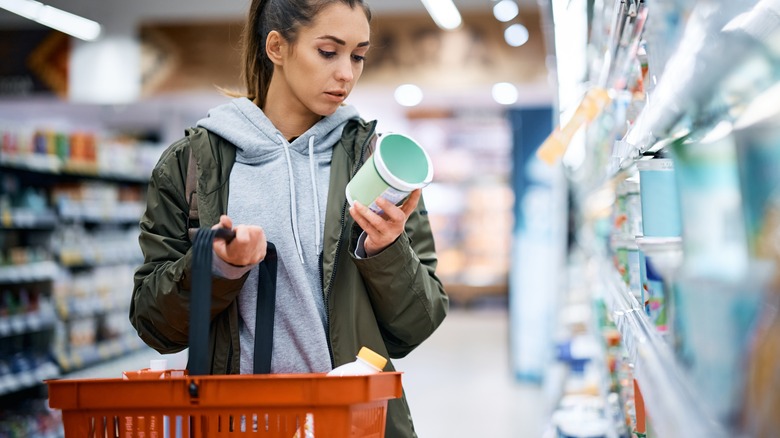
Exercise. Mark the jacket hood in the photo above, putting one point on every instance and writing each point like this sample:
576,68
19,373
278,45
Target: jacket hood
244,124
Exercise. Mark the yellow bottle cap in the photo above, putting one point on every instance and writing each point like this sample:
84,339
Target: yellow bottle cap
372,357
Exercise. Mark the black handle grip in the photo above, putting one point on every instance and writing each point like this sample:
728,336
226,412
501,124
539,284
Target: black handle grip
225,234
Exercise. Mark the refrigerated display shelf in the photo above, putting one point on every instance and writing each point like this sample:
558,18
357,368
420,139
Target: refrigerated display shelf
672,405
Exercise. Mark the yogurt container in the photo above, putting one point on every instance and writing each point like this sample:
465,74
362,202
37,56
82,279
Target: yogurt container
397,166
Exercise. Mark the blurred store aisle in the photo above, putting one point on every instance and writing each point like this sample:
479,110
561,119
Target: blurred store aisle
459,384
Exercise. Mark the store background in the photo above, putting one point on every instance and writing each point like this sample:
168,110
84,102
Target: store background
68,239
617,292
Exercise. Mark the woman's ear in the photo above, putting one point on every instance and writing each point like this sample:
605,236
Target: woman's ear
274,46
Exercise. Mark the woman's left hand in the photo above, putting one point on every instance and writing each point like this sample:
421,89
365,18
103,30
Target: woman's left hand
382,230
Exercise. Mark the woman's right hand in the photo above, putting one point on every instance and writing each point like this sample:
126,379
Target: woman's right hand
247,248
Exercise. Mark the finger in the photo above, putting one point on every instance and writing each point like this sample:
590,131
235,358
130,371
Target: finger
357,213
242,234
392,213
376,221
224,222
411,202
260,245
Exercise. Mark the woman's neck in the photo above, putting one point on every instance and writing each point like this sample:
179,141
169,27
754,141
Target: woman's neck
290,120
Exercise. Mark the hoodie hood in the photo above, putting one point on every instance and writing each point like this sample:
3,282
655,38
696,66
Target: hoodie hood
244,124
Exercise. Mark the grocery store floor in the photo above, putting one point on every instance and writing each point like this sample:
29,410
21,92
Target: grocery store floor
458,383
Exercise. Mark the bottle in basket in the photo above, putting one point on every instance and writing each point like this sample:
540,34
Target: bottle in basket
366,362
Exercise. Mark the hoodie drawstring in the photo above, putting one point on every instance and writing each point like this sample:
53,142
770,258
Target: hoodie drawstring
317,231
293,208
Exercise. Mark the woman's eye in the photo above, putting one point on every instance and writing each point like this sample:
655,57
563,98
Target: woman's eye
358,58
326,54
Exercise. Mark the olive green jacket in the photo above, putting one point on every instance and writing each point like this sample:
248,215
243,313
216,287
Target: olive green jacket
390,302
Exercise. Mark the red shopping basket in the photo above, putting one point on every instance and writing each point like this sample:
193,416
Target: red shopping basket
200,405
280,405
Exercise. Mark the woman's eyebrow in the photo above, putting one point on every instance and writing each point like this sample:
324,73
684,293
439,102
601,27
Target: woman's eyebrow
341,42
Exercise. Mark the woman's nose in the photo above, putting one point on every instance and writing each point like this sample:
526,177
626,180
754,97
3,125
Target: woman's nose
344,71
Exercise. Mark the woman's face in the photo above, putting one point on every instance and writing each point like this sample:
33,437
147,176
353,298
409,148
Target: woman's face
326,61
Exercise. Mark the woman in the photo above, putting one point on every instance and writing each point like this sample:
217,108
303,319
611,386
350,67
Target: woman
276,161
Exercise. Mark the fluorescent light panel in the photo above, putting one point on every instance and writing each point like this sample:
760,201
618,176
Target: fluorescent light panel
63,21
444,13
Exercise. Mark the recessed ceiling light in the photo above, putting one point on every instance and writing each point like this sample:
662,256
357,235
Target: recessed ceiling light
408,95
516,35
505,93
505,10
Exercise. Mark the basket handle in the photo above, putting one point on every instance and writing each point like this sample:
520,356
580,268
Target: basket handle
200,303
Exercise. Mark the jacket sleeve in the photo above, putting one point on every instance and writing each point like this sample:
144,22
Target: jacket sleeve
159,310
408,298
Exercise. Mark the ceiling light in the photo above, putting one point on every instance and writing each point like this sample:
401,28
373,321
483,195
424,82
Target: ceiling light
516,35
408,95
58,19
444,13
505,10
505,93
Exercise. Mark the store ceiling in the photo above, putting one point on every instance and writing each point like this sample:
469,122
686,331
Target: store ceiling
123,13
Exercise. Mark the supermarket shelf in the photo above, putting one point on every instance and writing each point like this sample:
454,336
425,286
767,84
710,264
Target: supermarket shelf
94,257
134,360
31,272
49,165
27,323
13,382
22,219
83,357
101,213
672,404
73,308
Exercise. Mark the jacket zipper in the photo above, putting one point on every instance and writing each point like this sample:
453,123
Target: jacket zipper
230,358
326,292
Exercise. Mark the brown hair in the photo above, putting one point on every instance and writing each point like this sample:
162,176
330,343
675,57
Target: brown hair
285,17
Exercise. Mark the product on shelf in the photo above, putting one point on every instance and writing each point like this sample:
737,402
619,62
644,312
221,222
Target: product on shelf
654,297
714,325
710,204
589,108
77,151
758,145
33,418
660,203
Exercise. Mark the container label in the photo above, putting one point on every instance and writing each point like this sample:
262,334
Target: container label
393,195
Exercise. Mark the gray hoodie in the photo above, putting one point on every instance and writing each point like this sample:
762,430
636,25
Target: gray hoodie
282,187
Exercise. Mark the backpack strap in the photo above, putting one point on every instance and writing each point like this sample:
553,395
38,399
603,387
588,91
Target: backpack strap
190,193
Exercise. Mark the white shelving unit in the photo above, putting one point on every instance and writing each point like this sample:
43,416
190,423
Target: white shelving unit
675,409
724,55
